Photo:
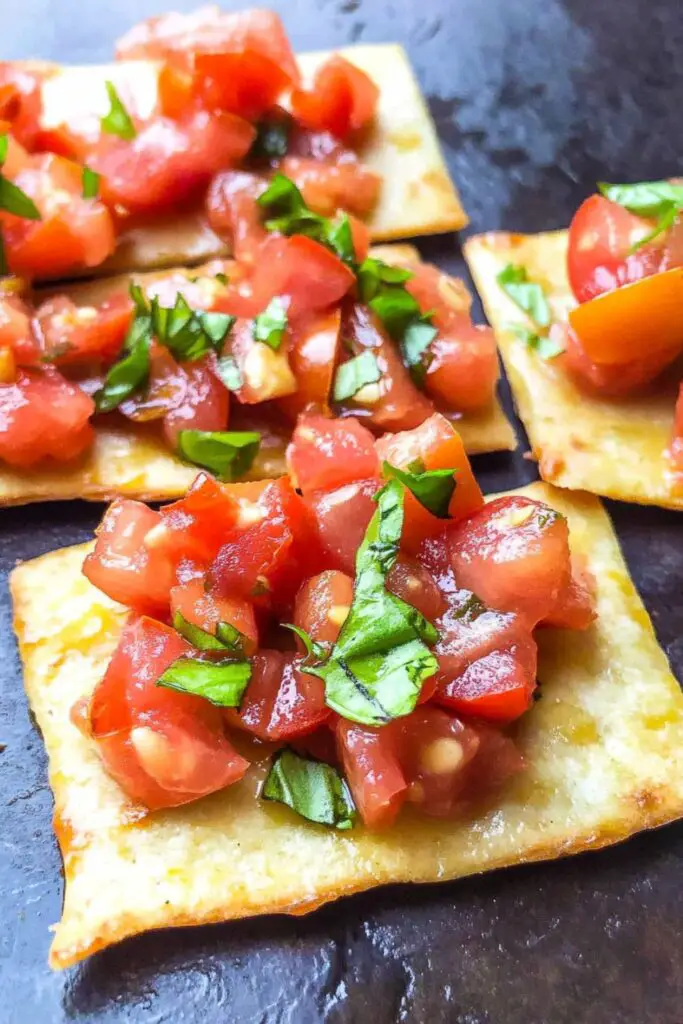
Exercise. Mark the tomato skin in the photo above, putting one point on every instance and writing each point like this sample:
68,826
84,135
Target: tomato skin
343,99
164,748
204,406
514,554
71,334
207,610
312,276
325,454
313,358
322,604
234,214
439,446
373,772
463,371
612,381
281,701
16,330
394,403
124,565
201,521
329,186
576,604
43,416
415,585
20,101
247,83
498,686
341,518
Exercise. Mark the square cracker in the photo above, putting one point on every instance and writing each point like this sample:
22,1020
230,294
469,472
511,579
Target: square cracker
132,460
417,197
604,749
611,447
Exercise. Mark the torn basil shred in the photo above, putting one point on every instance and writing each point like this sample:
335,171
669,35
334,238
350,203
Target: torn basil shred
315,790
355,374
222,682
433,488
228,454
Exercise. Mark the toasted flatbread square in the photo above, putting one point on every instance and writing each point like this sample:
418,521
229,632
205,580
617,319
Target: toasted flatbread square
417,197
611,447
604,750
132,460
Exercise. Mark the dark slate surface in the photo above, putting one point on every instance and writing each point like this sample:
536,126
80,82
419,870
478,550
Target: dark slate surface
534,100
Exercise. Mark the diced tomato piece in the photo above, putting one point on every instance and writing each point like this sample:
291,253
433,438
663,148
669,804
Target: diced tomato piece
309,274
415,585
73,232
393,403
342,99
168,162
16,330
329,186
176,91
207,610
445,297
247,83
373,771
204,405
611,380
265,373
281,701
342,517
468,631
234,213
436,445
210,30
325,454
601,237
20,100
463,370
322,604
43,416
576,604
71,334
498,686
514,554
164,748
203,520
314,341
126,564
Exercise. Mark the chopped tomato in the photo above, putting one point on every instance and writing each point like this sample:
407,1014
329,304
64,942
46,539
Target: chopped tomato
210,30
600,257
373,771
207,610
247,83
71,334
265,373
393,403
576,604
309,274
341,518
415,585
329,186
498,686
324,453
16,330
611,380
73,233
204,404
435,445
514,554
634,321
314,341
445,297
322,605
463,368
342,99
20,99
168,162
234,213
203,520
164,748
126,564
43,416
281,700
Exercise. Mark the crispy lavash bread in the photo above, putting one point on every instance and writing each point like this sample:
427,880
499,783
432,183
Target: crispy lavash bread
417,197
132,459
611,447
604,749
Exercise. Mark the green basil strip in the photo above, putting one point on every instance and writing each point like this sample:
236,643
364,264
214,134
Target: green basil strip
118,121
13,200
129,374
373,273
189,334
272,139
228,454
91,183
229,372
380,661
645,198
433,488
226,638
4,146
415,348
526,294
340,240
220,682
546,347
288,213
314,650
315,790
271,324
397,309
354,374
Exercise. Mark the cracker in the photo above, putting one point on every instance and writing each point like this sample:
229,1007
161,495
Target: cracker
417,196
604,748
611,447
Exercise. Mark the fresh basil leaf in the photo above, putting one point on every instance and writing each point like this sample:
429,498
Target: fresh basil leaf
229,372
13,200
231,637
4,146
645,198
226,638
217,326
118,121
137,294
271,324
396,308
354,374
373,273
433,488
314,650
188,334
288,213
415,348
220,682
272,139
380,660
91,183
129,374
315,790
664,222
228,454
545,346
339,239
282,201
528,295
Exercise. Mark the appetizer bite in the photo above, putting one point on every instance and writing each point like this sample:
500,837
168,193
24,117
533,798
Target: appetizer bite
588,323
158,158
266,695
122,386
